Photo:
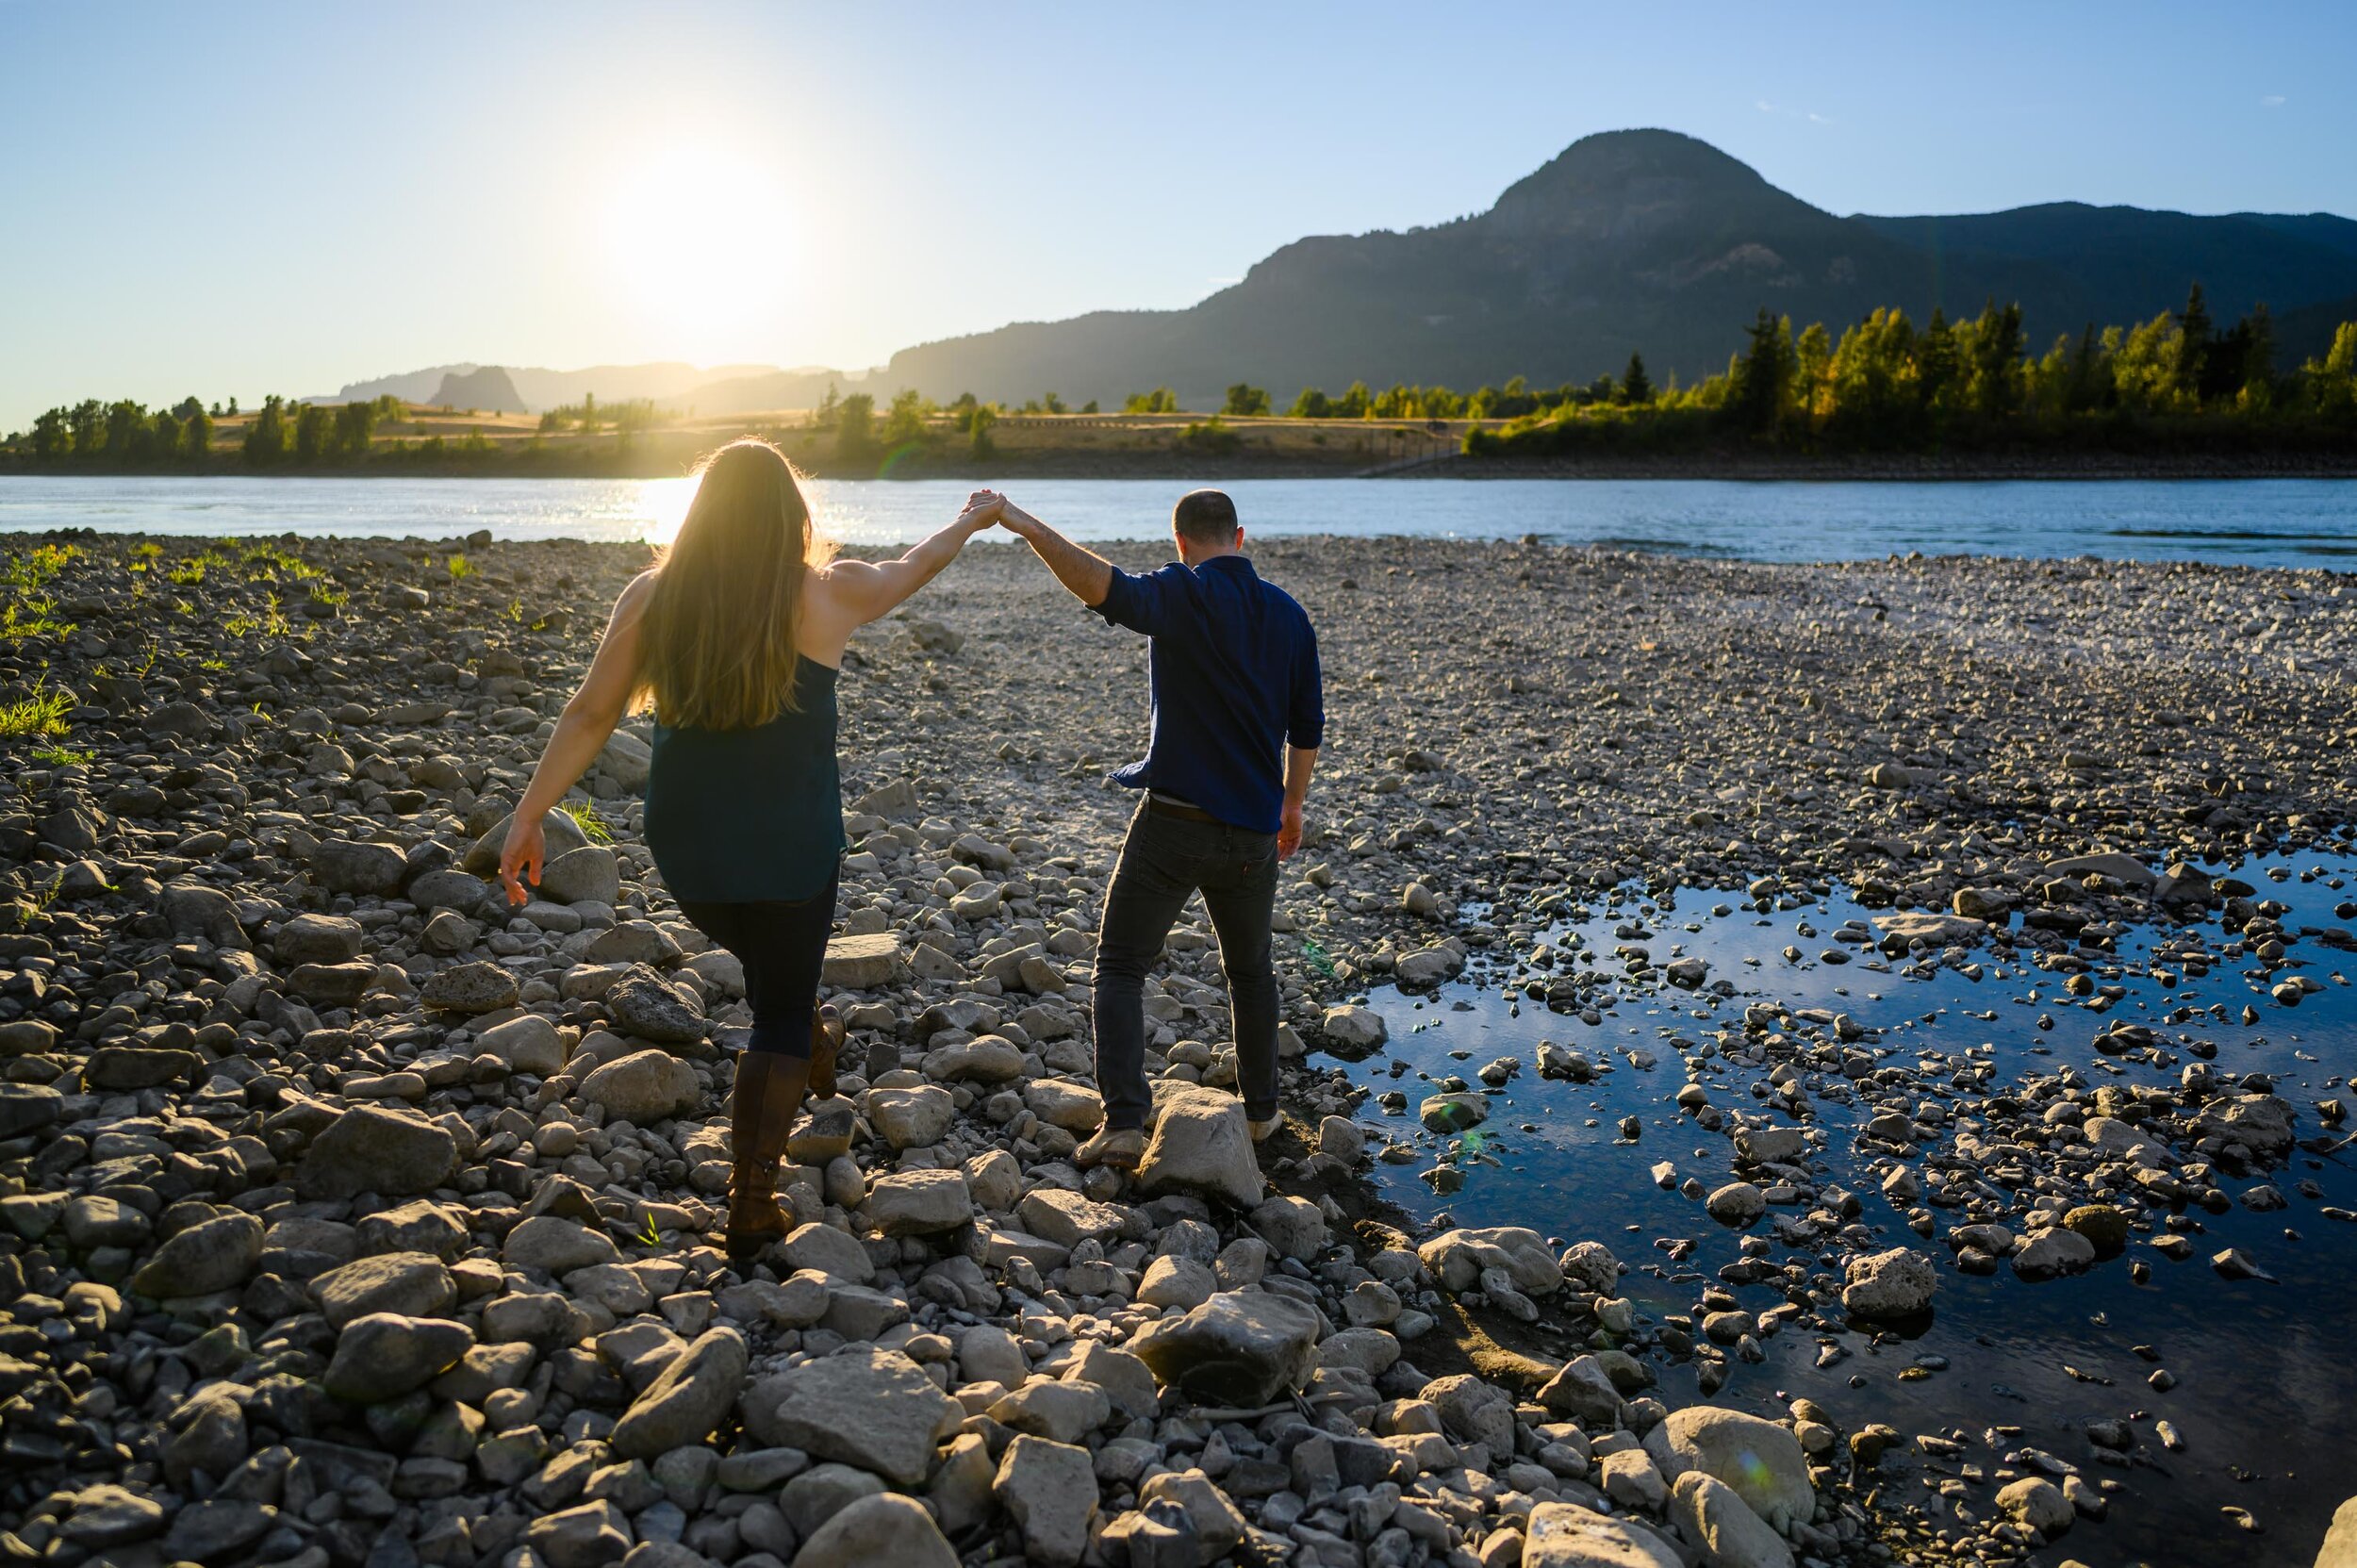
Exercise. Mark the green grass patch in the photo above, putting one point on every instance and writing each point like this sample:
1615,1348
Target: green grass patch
272,622
586,818
30,618
62,756
40,716
460,569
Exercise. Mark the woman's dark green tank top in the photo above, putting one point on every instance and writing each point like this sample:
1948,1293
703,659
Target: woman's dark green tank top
738,816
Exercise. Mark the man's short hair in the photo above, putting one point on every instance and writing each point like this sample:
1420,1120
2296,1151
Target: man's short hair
1206,517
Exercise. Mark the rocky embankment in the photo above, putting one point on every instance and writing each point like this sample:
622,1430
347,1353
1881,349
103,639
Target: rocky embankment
347,1218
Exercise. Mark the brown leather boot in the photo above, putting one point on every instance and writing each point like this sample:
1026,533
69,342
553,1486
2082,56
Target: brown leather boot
826,1041
761,1107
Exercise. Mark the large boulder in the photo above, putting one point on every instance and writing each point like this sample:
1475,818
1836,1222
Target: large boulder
1886,1285
1761,1461
2054,1252
1049,1490
344,866
27,1107
863,963
687,1401
318,939
218,1254
920,1202
1202,1145
413,1284
1584,1391
1240,1348
1456,1258
911,1118
587,875
556,1246
559,837
1708,1513
645,1004
644,1087
2036,1503
370,1148
193,909
884,1528
528,1045
2340,1541
1565,1535
1353,1030
873,1409
384,1356
2125,869
477,988
986,1059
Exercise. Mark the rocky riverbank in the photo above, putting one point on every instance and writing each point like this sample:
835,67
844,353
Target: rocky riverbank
343,1218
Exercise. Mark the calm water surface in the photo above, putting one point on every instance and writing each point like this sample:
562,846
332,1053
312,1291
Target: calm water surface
2309,522
2265,1392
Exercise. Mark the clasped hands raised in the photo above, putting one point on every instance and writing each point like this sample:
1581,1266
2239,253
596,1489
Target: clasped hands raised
985,508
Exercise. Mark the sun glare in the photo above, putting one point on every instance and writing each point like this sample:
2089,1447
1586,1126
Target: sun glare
702,245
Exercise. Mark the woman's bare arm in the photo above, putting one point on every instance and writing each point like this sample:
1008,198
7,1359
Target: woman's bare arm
582,732
863,590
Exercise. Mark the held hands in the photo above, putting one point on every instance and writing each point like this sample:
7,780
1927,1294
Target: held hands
1000,510
520,858
983,509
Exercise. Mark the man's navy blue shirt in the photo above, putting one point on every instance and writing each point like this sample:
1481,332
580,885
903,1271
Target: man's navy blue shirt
1234,670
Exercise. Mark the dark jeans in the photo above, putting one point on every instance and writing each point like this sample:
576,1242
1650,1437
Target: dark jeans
781,945
1163,862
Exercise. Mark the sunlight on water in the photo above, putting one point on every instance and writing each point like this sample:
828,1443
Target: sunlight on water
661,506
2251,523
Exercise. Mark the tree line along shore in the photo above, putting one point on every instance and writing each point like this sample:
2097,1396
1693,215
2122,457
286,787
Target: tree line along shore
2177,393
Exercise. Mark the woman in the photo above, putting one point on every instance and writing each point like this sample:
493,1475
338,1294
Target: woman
735,637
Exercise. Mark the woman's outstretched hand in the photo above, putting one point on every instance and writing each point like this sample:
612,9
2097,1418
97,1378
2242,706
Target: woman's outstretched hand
520,858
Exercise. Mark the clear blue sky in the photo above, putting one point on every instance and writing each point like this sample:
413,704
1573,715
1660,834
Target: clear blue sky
263,197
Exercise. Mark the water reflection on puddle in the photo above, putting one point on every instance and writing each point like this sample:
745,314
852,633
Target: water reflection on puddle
2262,1391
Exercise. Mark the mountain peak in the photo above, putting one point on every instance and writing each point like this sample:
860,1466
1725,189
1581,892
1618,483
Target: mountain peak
1614,172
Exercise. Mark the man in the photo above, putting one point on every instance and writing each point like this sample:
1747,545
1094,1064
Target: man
1237,719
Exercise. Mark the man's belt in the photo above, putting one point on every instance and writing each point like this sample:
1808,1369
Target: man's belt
1161,807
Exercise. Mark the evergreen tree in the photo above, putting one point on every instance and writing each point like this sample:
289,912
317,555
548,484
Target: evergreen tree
1635,386
2193,345
1762,376
1311,404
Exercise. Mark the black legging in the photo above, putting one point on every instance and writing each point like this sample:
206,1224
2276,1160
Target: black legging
781,945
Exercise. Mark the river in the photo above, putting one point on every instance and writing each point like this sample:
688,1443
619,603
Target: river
2272,522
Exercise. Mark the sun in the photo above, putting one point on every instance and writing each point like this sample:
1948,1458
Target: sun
701,244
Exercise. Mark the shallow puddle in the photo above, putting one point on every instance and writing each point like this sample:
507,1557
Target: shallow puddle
2260,1401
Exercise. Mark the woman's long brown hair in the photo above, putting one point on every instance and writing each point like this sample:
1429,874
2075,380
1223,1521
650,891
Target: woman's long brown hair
718,631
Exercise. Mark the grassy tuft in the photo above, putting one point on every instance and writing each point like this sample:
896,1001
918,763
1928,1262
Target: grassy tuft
586,818
40,716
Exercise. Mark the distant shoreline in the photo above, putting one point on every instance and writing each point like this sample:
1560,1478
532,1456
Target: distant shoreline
1212,468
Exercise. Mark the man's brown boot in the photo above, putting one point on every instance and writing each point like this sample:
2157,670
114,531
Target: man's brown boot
761,1107
826,1042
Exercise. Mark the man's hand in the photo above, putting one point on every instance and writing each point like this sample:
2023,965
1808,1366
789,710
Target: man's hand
1017,520
1289,831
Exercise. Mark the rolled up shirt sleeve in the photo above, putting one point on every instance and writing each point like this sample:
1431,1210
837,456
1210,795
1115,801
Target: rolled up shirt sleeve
1305,715
1139,602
